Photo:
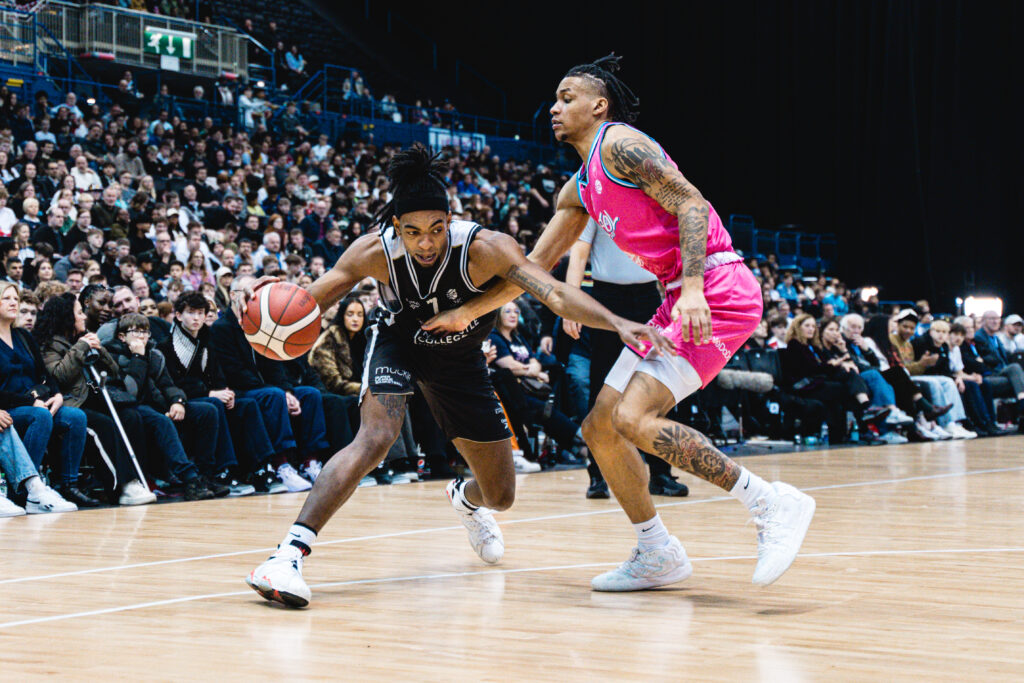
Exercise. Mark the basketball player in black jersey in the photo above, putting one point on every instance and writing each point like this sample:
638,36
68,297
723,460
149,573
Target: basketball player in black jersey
425,263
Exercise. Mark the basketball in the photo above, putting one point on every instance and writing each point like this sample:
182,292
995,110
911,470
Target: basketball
282,321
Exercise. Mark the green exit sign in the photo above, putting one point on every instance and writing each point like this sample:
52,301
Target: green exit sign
158,41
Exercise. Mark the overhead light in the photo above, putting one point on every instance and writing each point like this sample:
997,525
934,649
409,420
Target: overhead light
979,305
91,101
260,84
517,137
867,292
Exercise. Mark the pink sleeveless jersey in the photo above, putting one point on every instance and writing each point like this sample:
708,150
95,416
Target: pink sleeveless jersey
637,223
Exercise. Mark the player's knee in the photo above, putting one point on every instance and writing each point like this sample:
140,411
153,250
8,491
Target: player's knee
591,429
628,420
376,443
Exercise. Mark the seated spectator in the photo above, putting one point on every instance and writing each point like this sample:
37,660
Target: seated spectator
86,179
338,354
934,343
515,357
197,272
161,405
190,365
35,401
787,290
21,474
254,376
65,345
1011,338
908,395
868,363
76,260
969,373
7,217
920,362
28,311
812,372
122,302
331,247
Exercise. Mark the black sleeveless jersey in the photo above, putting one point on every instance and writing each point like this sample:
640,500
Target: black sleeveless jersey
416,294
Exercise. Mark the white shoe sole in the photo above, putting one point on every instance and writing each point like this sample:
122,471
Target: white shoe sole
680,573
803,523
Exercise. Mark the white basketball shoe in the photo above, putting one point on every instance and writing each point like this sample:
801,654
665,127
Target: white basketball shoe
647,569
484,534
279,579
781,526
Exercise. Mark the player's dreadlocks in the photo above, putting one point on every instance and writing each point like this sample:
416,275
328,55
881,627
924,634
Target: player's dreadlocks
623,104
417,184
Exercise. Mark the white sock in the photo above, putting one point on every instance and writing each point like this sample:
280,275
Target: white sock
34,485
461,502
750,487
300,537
652,533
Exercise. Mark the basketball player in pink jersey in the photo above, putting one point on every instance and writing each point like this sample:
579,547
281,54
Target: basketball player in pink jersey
637,195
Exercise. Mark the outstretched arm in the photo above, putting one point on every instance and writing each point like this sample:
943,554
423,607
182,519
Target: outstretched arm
636,158
561,233
500,254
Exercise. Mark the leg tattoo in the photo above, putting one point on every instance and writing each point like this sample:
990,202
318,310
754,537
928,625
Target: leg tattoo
395,405
690,450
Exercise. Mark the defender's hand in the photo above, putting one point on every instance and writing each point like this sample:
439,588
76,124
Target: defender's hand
632,333
692,310
453,321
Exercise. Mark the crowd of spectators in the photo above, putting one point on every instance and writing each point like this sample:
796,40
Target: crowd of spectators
128,233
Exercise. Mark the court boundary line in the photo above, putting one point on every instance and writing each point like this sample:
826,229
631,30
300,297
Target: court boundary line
485,572
569,515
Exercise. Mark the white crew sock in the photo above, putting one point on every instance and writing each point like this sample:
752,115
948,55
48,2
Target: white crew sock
34,485
462,503
652,533
300,537
750,487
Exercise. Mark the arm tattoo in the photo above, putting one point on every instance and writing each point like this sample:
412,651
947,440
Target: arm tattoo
642,163
531,284
693,239
690,450
393,404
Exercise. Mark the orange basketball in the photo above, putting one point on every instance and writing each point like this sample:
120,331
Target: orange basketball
282,321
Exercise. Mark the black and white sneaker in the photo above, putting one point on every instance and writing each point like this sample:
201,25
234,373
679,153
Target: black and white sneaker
235,487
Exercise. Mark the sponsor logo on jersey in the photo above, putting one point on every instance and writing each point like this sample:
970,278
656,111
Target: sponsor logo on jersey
424,338
414,305
598,186
607,223
453,295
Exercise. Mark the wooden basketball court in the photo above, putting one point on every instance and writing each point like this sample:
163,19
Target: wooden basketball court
913,570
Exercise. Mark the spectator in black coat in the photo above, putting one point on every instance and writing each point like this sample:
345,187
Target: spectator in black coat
161,404
280,399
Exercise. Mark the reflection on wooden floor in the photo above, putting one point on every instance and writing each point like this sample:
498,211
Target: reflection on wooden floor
913,569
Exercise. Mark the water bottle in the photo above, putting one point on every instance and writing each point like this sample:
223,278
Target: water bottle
824,434
855,433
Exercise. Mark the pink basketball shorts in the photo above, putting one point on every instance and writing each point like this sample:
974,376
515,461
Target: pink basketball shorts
734,296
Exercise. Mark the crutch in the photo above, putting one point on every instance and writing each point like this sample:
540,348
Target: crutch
97,381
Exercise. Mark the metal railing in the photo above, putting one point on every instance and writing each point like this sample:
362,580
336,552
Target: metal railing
92,29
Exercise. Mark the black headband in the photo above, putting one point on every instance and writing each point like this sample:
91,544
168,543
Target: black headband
427,195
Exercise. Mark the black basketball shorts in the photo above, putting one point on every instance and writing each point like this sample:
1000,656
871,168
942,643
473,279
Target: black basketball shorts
455,384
